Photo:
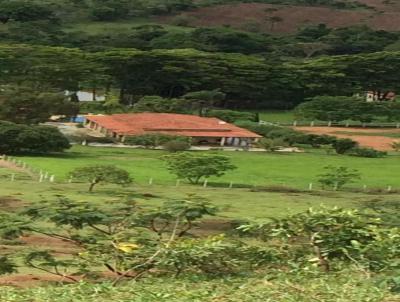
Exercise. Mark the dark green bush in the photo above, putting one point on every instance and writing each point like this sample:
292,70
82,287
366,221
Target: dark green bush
367,152
315,140
344,145
16,138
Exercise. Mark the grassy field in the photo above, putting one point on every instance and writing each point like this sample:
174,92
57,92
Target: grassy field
253,168
233,203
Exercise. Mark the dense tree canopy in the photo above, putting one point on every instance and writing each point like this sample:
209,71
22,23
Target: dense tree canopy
28,106
247,81
15,138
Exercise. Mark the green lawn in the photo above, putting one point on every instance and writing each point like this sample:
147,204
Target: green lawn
277,116
254,168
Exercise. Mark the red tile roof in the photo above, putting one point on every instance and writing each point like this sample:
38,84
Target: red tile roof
169,123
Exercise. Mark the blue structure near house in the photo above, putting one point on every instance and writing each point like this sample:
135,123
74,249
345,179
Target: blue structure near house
78,119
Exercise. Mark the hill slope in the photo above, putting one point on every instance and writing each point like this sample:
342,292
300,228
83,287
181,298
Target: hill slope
382,15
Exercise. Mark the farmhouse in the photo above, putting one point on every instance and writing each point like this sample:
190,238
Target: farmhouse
202,130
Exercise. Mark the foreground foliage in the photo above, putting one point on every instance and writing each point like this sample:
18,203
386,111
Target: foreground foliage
267,287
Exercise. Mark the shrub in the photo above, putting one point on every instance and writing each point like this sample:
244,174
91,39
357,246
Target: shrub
154,140
396,146
263,130
176,146
344,145
367,152
272,144
337,177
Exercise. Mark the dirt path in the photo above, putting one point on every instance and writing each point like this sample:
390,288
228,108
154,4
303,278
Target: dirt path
378,141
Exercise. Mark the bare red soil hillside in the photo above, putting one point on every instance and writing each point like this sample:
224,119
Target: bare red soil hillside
246,15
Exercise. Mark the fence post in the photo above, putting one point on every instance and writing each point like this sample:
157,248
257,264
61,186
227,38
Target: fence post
336,186
389,188
205,183
329,123
151,181
310,186
295,124
178,182
12,177
312,124
231,185
51,178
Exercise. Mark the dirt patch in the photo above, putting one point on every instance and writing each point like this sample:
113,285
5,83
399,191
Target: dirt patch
10,203
212,227
54,245
378,141
29,280
386,17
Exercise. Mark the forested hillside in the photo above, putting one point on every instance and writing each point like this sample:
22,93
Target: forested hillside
135,48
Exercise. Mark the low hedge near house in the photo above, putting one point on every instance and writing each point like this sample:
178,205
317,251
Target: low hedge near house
154,140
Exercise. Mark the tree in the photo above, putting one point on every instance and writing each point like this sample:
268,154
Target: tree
204,99
339,108
337,177
15,138
101,173
25,105
195,166
25,11
159,104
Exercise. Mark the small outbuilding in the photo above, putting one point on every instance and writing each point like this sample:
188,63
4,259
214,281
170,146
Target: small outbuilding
202,130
